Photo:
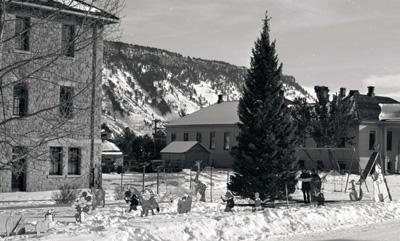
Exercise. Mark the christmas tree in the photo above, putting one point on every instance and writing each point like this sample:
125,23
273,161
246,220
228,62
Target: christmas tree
265,155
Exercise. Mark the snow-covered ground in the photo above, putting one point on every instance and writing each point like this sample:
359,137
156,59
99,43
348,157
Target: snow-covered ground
207,220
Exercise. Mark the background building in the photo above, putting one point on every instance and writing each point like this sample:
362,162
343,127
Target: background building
215,127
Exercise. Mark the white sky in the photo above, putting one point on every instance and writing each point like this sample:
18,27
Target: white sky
336,43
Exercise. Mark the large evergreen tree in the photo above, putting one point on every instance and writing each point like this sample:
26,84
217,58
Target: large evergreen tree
265,155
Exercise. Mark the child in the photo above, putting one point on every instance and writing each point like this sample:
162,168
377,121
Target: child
320,198
132,200
229,201
257,202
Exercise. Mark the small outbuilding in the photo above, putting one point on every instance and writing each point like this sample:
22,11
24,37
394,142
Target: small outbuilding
184,154
111,157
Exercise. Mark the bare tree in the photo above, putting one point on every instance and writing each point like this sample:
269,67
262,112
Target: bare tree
50,89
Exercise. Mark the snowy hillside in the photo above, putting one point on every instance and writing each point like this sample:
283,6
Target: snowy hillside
142,84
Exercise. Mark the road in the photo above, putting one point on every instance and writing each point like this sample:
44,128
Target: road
387,231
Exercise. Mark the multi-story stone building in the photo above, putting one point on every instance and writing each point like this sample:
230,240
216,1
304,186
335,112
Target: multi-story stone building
51,55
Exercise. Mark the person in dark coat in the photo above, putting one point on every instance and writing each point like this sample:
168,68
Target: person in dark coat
229,201
305,178
132,199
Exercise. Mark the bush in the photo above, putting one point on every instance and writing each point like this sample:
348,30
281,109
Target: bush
66,194
119,193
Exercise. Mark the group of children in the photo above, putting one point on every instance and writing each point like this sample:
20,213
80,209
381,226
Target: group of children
311,184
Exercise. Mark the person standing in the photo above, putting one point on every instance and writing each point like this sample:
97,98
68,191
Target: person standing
305,178
315,185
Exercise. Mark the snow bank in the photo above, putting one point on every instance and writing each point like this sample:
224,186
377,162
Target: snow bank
207,220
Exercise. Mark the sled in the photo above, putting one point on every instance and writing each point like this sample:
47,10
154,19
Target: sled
15,228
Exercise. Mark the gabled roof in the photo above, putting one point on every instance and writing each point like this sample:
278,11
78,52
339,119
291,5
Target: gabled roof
224,113
73,7
368,107
180,147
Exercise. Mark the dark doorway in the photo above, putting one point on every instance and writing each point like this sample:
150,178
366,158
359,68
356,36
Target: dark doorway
18,179
18,171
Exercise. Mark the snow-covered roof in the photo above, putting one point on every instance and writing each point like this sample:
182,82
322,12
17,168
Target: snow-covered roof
217,114
181,147
74,7
107,146
390,112
111,153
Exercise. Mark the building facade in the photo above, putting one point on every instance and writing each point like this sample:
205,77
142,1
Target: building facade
371,135
51,60
184,154
215,127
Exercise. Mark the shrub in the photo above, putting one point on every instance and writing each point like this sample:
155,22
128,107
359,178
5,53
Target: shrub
66,194
119,193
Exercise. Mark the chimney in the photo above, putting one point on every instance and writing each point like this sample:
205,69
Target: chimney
342,92
322,93
354,92
220,100
371,91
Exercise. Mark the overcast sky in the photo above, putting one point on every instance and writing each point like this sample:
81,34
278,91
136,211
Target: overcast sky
336,43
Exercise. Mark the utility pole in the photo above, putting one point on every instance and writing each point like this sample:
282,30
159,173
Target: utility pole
92,107
155,136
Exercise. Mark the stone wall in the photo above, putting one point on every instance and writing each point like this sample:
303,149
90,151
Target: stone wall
45,69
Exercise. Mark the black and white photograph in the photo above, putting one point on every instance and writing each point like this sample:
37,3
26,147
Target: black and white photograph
180,120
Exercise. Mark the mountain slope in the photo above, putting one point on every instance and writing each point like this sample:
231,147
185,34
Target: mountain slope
141,84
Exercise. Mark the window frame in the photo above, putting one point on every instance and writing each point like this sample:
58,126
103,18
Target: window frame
58,150
320,165
372,140
342,165
301,163
67,102
198,136
389,141
22,36
74,163
67,41
227,141
20,99
212,141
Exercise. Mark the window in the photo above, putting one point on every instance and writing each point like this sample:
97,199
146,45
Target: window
226,141
302,163
342,165
173,137
67,40
56,159
371,140
389,141
20,100
74,161
342,143
212,140
198,137
22,26
66,101
185,136
320,165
